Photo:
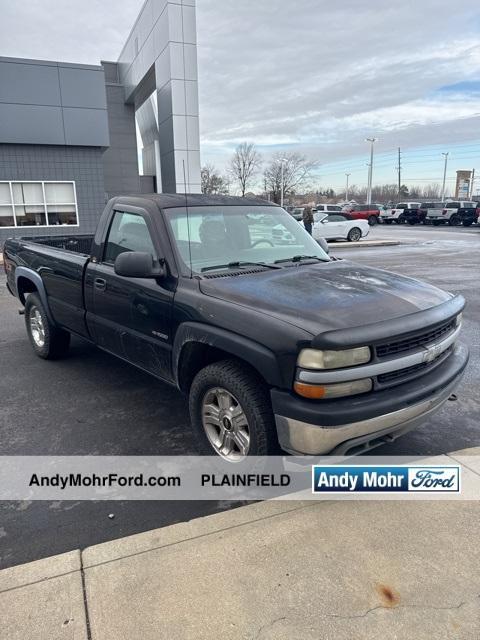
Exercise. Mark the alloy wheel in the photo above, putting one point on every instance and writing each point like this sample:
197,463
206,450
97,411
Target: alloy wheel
225,424
37,328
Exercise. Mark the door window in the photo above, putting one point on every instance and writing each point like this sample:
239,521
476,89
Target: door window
334,217
128,232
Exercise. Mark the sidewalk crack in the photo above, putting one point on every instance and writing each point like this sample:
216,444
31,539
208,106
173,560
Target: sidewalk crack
85,599
402,606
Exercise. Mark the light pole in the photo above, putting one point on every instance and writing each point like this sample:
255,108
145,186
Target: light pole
346,187
444,174
282,187
370,170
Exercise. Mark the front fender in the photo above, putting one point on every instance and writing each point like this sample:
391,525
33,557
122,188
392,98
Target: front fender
260,358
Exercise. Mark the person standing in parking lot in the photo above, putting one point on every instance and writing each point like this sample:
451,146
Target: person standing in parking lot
308,219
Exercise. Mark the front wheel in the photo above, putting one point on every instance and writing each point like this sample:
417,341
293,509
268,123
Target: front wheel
231,413
372,220
354,235
455,220
48,341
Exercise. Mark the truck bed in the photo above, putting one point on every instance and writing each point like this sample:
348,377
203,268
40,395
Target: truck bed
76,244
61,261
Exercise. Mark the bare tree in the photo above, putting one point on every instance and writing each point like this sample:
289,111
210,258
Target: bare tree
297,170
212,182
244,164
433,191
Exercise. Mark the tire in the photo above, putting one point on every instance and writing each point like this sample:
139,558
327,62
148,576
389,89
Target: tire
254,429
372,220
436,223
48,341
354,235
455,220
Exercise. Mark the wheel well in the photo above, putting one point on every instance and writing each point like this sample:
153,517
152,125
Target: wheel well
24,285
197,355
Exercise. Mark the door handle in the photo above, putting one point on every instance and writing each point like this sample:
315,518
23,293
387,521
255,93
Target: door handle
100,284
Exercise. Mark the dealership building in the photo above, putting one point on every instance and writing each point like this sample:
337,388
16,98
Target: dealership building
71,134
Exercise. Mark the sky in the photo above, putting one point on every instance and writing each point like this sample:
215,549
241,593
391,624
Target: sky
310,76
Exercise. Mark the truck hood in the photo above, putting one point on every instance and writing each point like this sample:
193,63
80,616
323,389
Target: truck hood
325,296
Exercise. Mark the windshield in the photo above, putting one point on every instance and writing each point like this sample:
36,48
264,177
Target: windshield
220,235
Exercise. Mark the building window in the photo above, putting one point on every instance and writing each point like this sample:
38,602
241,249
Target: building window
37,204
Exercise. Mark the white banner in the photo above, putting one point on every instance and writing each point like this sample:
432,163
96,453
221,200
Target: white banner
256,478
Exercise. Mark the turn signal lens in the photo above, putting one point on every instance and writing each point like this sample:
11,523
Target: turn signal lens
312,391
338,390
316,359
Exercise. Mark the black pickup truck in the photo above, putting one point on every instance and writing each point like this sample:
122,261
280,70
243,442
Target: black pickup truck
274,342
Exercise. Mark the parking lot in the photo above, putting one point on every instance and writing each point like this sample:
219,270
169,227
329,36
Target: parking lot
94,404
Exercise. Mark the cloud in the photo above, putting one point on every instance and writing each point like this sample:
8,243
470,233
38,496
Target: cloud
319,77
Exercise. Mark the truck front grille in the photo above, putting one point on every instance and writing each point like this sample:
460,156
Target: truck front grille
403,375
415,341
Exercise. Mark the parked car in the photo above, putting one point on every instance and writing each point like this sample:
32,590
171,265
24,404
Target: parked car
297,213
368,212
460,212
434,213
273,344
402,212
328,208
335,226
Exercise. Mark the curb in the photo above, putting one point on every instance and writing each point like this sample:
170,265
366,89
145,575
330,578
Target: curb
365,243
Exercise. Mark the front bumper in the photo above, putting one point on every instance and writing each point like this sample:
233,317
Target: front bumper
359,424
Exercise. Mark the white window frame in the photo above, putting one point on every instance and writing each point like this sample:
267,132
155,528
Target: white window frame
41,204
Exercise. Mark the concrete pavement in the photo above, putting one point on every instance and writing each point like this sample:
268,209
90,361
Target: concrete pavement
284,570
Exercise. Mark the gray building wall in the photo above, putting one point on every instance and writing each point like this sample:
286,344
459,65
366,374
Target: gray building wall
120,160
83,165
52,103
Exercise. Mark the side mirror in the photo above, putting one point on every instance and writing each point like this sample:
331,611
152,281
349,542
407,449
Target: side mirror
324,244
137,264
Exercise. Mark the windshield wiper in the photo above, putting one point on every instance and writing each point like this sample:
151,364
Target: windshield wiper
239,263
299,259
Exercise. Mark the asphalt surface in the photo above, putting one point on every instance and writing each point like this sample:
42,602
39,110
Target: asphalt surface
92,403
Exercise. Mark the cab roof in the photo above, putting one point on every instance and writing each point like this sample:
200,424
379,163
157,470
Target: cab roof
176,200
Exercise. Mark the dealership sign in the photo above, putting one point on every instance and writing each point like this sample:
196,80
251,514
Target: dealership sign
378,479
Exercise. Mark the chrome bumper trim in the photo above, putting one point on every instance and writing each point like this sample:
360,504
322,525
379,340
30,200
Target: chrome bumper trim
425,354
303,438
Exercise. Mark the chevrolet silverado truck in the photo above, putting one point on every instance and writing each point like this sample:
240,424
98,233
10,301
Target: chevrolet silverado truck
275,345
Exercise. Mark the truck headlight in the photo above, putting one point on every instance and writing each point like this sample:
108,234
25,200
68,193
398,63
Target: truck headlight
316,359
337,390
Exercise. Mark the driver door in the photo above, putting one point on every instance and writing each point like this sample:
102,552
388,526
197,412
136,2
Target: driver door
132,316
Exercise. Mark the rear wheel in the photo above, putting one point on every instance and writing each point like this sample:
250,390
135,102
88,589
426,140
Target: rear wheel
231,412
48,341
455,220
372,220
354,234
